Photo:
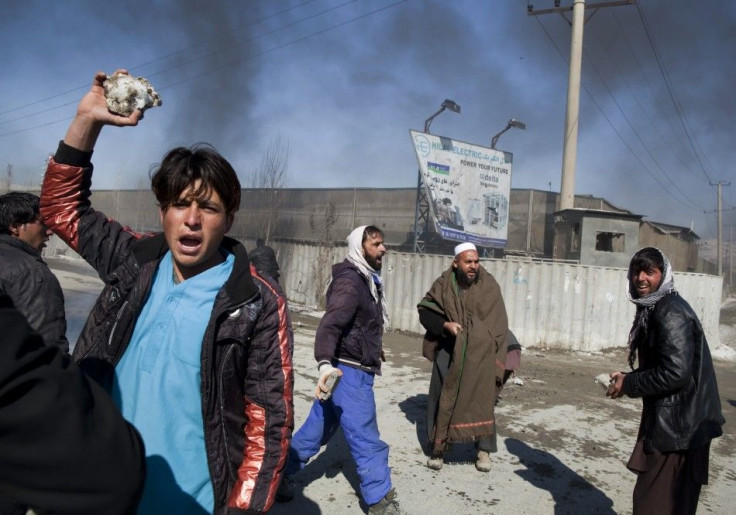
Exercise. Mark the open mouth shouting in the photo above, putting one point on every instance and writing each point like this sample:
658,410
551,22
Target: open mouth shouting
194,229
190,244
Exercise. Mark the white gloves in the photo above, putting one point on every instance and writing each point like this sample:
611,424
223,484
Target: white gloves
329,376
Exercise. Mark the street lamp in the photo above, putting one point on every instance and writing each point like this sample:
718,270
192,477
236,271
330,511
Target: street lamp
421,209
447,104
513,122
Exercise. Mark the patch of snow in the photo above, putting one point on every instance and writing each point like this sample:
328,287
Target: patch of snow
725,351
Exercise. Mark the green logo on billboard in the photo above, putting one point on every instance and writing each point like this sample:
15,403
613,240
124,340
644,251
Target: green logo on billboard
438,168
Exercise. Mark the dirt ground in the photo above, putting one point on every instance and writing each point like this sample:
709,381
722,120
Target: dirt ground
562,444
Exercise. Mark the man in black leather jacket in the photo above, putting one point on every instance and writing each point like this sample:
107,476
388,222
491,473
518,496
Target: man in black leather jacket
677,383
263,258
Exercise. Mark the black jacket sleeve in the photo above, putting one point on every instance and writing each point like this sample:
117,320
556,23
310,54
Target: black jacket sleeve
65,447
433,322
66,209
675,332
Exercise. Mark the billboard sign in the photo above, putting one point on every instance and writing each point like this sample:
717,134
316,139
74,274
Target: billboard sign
468,188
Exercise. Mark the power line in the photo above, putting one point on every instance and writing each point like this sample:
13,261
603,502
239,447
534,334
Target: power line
292,42
235,61
40,102
677,148
46,124
605,116
48,109
180,64
268,33
670,89
257,22
636,133
171,54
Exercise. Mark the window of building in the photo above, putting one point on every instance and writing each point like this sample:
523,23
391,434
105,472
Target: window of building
610,242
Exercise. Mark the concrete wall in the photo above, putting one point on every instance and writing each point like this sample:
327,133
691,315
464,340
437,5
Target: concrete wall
392,209
554,305
303,214
551,305
531,220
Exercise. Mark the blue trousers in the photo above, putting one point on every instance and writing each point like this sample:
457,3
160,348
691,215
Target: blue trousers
352,407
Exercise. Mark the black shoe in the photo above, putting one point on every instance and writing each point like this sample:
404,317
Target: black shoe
285,492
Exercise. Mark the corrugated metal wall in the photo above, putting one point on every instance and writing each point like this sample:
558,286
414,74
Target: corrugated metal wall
553,305
550,304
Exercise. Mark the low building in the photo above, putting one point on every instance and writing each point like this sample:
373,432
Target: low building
536,229
596,237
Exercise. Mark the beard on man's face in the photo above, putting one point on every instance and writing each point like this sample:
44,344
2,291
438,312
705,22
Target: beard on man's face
373,263
464,279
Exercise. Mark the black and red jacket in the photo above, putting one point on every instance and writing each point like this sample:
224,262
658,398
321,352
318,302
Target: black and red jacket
246,359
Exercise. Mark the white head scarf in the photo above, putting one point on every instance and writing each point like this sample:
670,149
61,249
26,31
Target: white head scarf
666,287
645,304
356,257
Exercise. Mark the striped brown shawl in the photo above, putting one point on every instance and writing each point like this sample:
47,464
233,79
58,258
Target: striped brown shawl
465,411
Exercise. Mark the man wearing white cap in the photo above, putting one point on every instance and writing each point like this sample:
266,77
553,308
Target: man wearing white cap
467,329
348,346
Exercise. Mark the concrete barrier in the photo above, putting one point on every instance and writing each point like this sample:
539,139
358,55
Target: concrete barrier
551,305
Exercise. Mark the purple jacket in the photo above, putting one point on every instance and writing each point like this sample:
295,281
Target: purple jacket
350,331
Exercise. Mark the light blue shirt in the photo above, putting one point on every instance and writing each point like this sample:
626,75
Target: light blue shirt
158,383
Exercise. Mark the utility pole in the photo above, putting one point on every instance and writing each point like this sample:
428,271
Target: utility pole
570,147
9,178
730,257
720,226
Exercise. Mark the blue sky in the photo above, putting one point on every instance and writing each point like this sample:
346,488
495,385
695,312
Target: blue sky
343,82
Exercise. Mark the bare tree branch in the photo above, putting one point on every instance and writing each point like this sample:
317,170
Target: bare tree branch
272,176
322,224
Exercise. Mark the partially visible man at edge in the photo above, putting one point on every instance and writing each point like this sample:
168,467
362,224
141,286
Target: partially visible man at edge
24,276
211,395
64,446
681,411
467,329
263,258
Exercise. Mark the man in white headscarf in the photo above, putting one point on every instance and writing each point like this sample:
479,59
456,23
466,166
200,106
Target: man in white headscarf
348,346
681,411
